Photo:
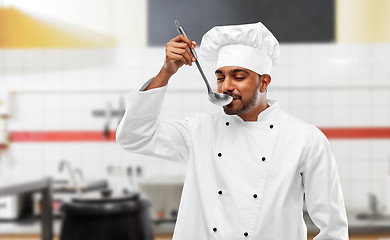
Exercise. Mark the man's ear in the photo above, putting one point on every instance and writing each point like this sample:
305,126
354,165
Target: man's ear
265,80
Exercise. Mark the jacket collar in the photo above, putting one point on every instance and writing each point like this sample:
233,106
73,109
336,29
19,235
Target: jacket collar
270,113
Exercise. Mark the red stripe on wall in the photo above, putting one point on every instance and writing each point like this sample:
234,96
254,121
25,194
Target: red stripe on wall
356,133
96,136
61,136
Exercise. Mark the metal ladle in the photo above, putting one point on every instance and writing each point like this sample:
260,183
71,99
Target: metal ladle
219,99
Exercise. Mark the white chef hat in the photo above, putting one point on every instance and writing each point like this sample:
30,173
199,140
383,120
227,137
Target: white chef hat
250,46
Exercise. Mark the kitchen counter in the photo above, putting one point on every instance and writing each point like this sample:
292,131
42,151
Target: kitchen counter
32,226
356,226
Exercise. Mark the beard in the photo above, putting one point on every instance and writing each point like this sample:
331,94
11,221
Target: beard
242,106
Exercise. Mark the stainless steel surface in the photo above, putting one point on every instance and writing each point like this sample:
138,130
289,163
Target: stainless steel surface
373,217
86,186
219,99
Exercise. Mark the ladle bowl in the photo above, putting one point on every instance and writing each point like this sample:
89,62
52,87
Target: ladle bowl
220,99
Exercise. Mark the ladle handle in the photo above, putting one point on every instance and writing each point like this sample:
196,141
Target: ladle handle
203,76
181,31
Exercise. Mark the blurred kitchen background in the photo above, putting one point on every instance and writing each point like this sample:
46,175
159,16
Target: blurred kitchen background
67,66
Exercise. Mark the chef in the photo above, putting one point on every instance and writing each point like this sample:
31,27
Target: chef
249,166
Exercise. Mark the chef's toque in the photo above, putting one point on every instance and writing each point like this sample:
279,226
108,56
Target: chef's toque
250,46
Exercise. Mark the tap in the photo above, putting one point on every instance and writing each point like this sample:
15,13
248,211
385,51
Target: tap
373,203
71,172
80,173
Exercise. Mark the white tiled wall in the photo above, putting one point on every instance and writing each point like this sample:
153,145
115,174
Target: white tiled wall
326,84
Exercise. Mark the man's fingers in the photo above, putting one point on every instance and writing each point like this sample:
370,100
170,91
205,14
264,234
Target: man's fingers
182,48
183,53
176,57
182,38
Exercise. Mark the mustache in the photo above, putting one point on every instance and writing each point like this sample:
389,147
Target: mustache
233,95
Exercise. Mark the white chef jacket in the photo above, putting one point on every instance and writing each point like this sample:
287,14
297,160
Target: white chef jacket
244,180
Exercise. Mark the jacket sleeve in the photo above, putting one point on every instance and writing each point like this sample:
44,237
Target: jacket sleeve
323,195
140,130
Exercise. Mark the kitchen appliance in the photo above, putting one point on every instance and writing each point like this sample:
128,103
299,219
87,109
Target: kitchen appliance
109,216
164,193
15,206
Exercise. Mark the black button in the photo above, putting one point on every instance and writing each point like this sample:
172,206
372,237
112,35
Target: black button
219,154
219,192
271,126
227,123
245,234
255,195
263,158
214,229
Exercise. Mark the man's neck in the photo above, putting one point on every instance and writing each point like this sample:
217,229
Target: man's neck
253,114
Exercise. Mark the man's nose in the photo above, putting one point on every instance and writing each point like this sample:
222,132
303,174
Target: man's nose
227,85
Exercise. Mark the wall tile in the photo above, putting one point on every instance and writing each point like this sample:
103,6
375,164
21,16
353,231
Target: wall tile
52,121
92,153
379,54
379,170
13,60
380,116
300,76
320,116
280,76
299,54
320,74
340,97
33,60
359,194
359,170
72,79
361,116
341,116
381,151
380,74
53,79
54,59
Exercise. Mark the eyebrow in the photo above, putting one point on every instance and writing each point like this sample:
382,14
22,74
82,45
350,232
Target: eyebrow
234,70
240,70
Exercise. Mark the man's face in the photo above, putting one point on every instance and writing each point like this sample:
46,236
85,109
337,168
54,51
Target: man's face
240,83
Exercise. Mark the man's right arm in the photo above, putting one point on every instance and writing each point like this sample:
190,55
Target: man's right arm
139,130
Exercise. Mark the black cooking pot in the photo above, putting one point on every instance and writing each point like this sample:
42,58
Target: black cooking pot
106,218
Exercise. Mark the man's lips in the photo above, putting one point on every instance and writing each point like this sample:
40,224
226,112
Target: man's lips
234,96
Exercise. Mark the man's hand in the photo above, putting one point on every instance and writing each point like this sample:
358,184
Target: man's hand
177,53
